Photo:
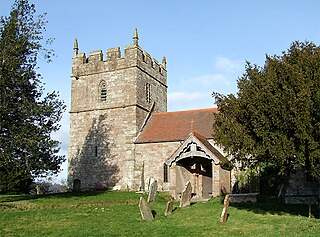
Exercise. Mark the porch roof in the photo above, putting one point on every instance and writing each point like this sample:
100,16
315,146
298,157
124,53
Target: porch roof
203,149
176,126
209,146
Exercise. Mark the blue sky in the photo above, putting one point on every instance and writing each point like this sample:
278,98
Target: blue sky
206,42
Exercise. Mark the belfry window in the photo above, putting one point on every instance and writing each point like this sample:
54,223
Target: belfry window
148,92
103,92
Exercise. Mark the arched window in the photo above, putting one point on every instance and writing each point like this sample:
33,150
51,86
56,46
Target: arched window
103,91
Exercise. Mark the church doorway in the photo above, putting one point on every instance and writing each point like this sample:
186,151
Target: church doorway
197,161
198,171
76,185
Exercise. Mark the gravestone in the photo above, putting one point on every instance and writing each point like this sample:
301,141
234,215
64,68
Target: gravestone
153,191
148,184
142,188
186,195
169,208
145,210
224,214
39,191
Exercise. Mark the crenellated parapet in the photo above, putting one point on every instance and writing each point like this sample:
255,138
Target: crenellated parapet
112,94
134,56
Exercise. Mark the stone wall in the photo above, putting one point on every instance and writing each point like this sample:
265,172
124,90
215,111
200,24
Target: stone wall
226,178
100,152
299,185
102,131
244,197
150,157
300,190
125,79
153,156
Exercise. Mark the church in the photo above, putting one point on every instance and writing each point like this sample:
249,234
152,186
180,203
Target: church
121,135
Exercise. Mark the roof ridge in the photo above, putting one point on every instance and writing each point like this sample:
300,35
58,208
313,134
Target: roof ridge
198,135
188,111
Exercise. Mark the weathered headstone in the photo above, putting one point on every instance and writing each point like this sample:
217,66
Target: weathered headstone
39,191
186,195
145,210
153,191
169,208
148,184
224,213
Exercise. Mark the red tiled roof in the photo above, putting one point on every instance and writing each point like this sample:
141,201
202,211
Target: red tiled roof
176,126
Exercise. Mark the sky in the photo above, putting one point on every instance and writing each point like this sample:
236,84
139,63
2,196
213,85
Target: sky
206,42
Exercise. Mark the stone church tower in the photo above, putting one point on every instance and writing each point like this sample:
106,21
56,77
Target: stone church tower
111,99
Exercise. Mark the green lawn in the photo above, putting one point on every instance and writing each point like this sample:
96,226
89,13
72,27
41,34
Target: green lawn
117,214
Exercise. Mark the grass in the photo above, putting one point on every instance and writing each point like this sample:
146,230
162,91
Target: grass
117,214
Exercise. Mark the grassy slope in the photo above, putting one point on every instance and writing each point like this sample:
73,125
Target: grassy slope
117,214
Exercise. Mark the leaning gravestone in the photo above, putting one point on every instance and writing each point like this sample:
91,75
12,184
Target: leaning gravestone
224,213
186,195
145,210
153,191
169,208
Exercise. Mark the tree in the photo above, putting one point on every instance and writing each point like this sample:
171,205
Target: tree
27,116
275,116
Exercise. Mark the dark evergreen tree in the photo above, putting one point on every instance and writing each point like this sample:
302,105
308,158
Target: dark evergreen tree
275,116
27,116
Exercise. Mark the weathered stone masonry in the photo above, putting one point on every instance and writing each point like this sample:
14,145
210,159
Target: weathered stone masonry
110,100
121,135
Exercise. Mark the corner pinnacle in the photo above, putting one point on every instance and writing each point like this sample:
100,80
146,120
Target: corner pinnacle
135,37
75,47
164,62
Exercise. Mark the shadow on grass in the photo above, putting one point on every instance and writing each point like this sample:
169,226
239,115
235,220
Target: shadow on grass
275,206
154,213
14,198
